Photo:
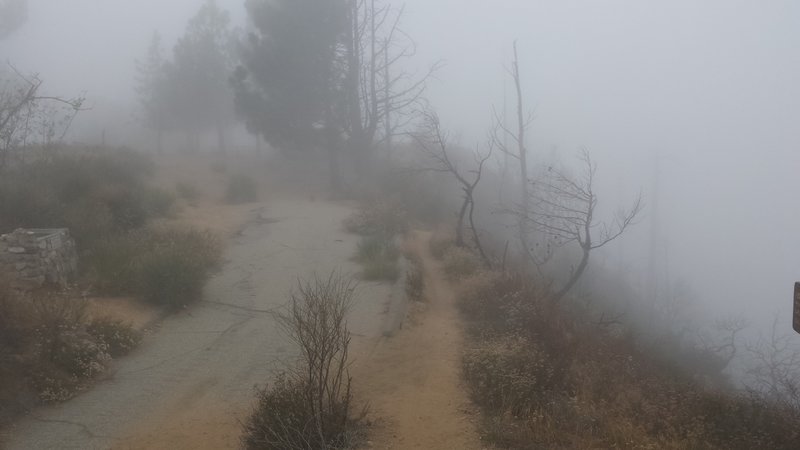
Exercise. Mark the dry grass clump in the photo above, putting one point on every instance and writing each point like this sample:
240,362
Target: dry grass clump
554,376
49,350
441,241
378,217
118,336
378,254
460,263
415,283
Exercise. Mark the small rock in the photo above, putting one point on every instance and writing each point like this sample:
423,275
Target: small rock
17,250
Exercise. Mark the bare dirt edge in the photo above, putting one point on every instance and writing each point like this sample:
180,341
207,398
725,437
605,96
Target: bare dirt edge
411,381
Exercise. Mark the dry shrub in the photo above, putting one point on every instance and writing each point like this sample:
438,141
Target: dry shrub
118,336
164,266
415,282
441,241
460,263
309,407
67,356
508,373
554,376
378,217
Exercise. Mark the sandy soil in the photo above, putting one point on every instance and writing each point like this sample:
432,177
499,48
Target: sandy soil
191,381
139,315
411,381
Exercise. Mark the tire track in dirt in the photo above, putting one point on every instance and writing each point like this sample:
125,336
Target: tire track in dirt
412,380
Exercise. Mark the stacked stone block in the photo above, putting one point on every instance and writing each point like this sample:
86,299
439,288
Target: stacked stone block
35,258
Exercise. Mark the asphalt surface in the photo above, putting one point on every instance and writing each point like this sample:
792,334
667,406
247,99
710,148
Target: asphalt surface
215,352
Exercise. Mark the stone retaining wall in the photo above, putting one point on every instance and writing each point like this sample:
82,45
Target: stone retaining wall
34,258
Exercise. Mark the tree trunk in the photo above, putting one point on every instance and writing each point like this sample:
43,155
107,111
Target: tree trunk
576,275
475,236
460,227
523,161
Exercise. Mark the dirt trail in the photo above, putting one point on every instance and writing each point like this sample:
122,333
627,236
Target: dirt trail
191,382
411,381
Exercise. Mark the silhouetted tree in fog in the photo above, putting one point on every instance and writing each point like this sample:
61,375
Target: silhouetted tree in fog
519,152
381,97
433,142
199,91
30,118
564,211
152,86
288,86
13,13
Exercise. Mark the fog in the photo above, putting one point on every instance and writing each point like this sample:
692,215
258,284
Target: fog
703,93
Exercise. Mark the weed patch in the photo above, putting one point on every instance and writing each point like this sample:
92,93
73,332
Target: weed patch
378,255
459,263
378,218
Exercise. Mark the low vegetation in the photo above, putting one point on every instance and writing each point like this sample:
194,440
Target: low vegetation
415,281
378,217
93,192
163,266
50,348
460,263
379,255
241,189
310,406
555,376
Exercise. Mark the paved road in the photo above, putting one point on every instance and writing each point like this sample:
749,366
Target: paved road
195,375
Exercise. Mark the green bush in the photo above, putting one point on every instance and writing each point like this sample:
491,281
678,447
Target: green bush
241,189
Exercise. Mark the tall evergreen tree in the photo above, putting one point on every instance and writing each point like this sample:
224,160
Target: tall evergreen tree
152,86
199,76
288,86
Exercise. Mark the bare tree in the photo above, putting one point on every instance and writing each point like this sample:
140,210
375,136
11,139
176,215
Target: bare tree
774,370
519,152
381,97
433,142
564,211
28,117
316,322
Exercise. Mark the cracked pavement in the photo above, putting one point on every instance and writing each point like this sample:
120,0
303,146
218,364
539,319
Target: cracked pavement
199,367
